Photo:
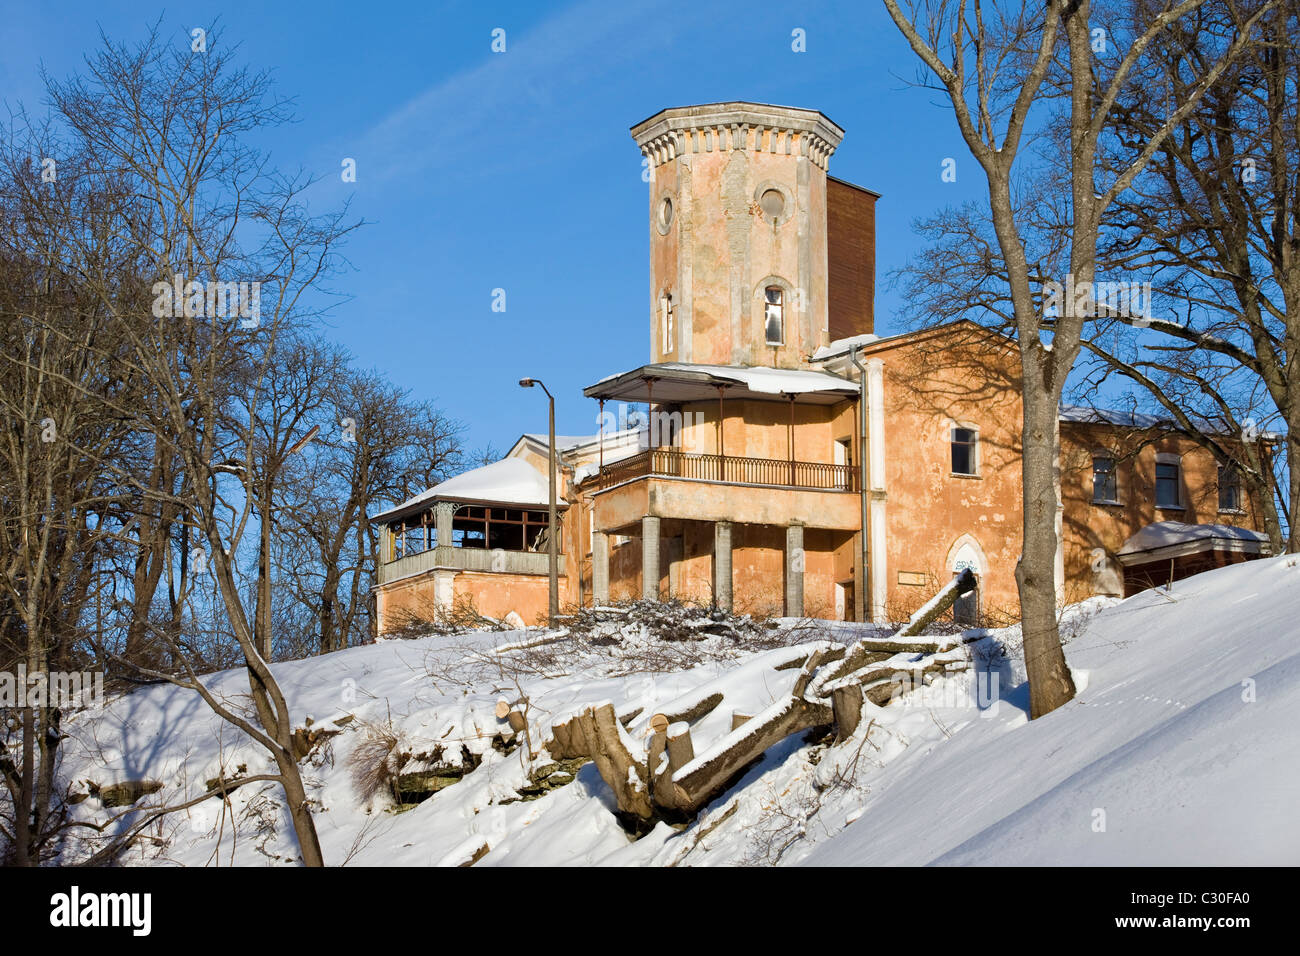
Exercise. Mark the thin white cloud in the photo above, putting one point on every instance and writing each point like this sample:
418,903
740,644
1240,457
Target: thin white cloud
557,62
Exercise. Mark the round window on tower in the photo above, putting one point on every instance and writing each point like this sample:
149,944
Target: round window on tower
664,219
774,202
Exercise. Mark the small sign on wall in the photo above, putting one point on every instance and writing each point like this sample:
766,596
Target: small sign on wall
915,578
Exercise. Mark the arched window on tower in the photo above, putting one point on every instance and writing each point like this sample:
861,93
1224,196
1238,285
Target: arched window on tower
774,315
669,341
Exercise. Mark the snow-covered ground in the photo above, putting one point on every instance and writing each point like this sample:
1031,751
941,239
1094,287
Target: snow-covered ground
1180,748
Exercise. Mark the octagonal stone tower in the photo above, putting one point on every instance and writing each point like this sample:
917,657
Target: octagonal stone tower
738,233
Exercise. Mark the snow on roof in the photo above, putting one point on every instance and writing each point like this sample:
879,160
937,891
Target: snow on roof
1085,414
510,481
562,442
771,381
568,443
1172,538
1108,416
677,381
840,346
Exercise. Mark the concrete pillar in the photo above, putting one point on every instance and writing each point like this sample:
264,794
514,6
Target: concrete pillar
650,558
600,568
794,563
442,512
444,590
722,565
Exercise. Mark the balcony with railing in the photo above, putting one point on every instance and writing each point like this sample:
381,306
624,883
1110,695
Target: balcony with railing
728,469
466,559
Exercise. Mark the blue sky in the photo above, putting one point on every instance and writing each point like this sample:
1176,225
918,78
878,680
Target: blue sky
479,170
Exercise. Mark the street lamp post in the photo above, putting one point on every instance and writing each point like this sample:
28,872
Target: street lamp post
552,544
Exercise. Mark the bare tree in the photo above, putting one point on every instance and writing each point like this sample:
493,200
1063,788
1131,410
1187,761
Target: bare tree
375,445
1214,218
233,261
56,504
1001,60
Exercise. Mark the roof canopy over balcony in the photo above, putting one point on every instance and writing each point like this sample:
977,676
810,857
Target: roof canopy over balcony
676,382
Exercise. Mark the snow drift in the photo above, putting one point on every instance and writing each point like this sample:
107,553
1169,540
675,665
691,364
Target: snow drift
1180,748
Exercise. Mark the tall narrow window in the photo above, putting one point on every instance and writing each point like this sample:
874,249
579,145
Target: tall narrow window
1229,488
964,442
1168,485
666,322
774,315
1105,489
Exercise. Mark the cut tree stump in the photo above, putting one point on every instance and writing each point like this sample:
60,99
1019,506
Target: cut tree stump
680,750
512,714
602,738
699,781
846,704
701,708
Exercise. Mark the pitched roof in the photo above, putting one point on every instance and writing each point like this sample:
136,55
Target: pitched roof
510,481
1171,539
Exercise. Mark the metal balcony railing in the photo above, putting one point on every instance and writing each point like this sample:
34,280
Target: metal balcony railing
776,472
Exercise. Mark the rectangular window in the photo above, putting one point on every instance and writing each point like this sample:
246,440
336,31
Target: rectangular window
1229,488
1104,486
963,451
1168,493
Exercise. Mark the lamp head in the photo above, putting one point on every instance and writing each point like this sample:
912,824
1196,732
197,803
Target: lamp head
526,383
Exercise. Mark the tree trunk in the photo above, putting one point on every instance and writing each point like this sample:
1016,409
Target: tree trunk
299,810
1050,683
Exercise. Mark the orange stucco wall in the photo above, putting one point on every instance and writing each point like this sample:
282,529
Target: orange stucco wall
931,385
1090,528
729,248
931,382
493,595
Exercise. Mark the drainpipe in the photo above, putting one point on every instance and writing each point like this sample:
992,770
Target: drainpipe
860,604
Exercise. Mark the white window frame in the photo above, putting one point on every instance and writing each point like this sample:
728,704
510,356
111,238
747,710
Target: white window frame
1241,493
975,449
1114,474
1169,458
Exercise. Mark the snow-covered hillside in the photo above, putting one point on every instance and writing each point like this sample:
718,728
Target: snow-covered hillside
1180,748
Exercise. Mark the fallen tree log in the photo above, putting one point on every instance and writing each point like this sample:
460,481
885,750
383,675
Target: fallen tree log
597,733
693,785
860,654
702,708
674,778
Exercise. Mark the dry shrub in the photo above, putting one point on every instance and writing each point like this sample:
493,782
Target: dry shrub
667,621
425,618
376,761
